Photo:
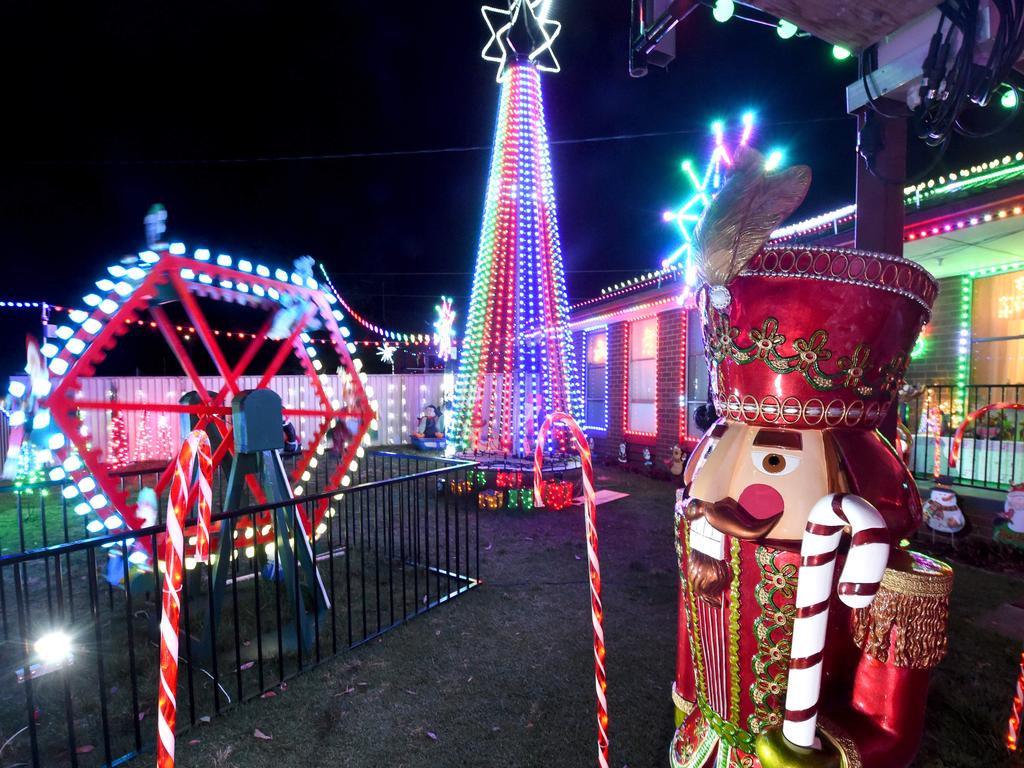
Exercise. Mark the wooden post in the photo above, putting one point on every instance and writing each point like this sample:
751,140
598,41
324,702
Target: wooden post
880,213
880,217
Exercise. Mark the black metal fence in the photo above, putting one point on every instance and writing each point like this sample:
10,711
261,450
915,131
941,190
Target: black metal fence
992,452
390,548
39,515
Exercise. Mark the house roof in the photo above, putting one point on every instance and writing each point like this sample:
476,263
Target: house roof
963,220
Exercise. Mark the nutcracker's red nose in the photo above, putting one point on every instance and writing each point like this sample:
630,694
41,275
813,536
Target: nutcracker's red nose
761,501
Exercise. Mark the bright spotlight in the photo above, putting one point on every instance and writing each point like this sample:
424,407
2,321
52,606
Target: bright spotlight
53,647
773,161
52,652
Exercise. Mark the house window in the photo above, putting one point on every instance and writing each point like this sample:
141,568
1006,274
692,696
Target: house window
595,379
997,329
642,376
697,379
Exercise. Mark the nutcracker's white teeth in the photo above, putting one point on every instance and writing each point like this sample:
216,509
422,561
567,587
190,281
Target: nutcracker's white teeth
705,538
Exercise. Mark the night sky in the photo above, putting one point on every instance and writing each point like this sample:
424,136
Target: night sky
111,107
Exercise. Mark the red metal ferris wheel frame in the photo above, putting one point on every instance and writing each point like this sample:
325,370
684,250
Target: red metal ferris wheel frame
175,277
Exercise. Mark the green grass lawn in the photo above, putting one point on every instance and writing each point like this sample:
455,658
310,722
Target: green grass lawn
504,675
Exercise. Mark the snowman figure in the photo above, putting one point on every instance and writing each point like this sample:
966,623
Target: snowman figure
1010,529
622,453
942,512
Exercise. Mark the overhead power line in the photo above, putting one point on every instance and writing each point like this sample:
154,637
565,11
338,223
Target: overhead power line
397,152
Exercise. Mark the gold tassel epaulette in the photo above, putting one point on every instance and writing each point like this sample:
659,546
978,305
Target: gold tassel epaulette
906,622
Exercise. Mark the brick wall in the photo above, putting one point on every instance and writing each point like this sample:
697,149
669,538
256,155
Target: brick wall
671,333
577,386
938,364
671,338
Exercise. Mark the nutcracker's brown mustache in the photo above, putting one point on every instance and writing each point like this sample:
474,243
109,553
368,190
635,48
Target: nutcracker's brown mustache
728,516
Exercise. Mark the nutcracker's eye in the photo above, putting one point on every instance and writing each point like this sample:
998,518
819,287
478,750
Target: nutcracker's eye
774,463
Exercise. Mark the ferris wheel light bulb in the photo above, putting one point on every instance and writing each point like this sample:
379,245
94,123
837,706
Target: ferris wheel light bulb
245,265
202,254
177,249
223,260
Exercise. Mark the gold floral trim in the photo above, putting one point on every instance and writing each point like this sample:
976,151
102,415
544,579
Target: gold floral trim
855,371
684,706
774,630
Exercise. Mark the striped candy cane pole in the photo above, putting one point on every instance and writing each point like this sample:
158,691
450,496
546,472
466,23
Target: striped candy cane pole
858,583
596,612
196,447
1013,734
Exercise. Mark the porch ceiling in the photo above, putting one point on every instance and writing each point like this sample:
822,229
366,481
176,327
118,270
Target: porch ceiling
954,253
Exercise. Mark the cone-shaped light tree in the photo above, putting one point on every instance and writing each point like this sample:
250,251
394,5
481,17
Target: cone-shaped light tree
517,360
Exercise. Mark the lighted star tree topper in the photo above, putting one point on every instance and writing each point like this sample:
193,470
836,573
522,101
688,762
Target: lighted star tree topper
517,357
703,188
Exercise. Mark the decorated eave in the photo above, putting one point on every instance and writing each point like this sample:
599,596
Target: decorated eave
990,192
644,295
944,218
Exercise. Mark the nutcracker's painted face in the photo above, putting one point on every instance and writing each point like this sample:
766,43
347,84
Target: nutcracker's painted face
752,482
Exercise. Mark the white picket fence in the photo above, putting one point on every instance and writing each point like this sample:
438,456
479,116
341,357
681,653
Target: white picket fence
400,399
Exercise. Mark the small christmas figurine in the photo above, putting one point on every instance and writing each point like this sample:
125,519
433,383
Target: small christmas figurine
806,634
1010,530
291,439
622,453
942,512
430,430
648,461
675,464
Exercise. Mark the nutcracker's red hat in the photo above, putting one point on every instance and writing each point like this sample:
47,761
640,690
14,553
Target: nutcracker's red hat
814,337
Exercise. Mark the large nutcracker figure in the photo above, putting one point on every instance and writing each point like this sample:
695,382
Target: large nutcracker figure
806,632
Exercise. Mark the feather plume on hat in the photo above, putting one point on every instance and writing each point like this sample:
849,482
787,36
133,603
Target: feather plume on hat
741,218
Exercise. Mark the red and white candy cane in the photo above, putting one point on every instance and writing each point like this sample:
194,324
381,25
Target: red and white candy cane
958,437
596,612
196,447
858,583
1013,733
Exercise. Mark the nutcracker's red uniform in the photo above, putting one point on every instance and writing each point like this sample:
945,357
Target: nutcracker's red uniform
807,349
